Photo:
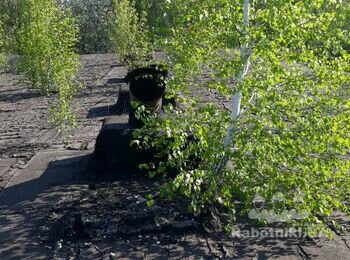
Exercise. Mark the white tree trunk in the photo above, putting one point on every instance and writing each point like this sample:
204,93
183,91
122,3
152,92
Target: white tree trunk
237,97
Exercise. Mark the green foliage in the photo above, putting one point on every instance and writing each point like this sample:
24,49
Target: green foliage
150,200
129,34
4,28
93,19
155,19
292,134
9,14
2,42
46,42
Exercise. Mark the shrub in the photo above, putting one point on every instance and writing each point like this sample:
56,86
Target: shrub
47,37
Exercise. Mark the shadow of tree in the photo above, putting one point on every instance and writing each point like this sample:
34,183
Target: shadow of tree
16,97
24,205
40,210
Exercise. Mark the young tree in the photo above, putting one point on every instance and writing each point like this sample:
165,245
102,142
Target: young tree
129,34
286,134
46,37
